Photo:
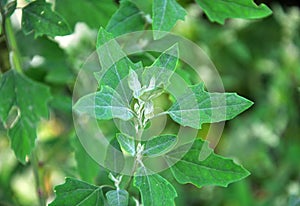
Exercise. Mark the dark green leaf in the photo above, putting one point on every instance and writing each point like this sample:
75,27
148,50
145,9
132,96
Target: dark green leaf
127,143
117,197
219,10
162,68
197,106
84,161
115,64
128,18
23,103
94,13
165,15
200,166
114,159
76,192
39,18
104,105
154,189
159,145
8,8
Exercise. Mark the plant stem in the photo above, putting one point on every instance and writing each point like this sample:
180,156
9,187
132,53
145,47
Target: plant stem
38,176
12,45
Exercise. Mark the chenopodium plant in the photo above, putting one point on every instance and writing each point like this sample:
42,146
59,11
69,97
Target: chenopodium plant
127,93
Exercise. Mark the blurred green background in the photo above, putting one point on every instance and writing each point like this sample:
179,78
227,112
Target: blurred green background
259,60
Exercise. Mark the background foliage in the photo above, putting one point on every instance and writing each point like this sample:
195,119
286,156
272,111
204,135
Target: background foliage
257,59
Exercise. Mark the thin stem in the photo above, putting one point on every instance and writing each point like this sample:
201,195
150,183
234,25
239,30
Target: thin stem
37,171
159,114
12,45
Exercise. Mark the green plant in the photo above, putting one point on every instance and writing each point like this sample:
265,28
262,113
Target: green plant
133,104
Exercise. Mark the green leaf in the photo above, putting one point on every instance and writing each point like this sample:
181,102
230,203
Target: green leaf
8,8
197,106
200,166
154,189
104,105
94,13
114,159
76,192
128,18
219,10
127,143
84,161
162,68
50,54
165,15
159,145
117,197
39,18
115,64
23,103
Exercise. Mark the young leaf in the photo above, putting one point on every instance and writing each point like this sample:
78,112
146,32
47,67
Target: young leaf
23,103
127,143
213,170
39,17
162,68
104,105
128,18
197,106
117,197
219,10
159,145
115,64
165,15
134,83
154,189
76,192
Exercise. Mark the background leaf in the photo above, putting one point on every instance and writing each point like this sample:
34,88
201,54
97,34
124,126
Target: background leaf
76,192
211,169
87,167
165,14
30,102
38,17
128,18
94,13
220,10
154,189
